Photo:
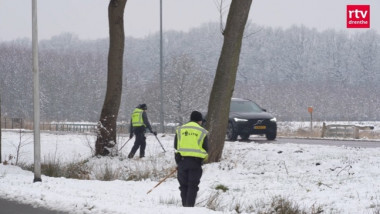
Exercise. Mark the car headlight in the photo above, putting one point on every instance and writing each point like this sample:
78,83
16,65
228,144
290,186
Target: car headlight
240,120
273,120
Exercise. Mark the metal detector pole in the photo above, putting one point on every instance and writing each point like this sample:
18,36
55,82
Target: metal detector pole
160,143
124,144
36,96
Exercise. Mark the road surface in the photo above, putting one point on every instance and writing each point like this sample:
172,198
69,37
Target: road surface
12,207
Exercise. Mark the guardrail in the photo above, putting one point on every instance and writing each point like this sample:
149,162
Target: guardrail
343,131
19,123
69,127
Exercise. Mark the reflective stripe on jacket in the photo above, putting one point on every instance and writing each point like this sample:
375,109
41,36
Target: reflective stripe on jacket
190,140
137,118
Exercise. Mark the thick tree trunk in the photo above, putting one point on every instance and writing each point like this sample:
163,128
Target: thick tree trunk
224,82
106,136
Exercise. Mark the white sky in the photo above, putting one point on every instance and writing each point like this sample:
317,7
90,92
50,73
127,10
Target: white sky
339,179
88,18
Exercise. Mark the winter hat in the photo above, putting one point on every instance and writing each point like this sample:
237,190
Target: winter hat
196,116
143,106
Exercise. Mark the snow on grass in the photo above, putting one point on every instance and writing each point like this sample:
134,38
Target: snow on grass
337,179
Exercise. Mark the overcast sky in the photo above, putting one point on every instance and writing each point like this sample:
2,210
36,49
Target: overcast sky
88,18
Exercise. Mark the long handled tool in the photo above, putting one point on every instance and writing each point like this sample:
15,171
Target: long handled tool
160,143
124,144
162,180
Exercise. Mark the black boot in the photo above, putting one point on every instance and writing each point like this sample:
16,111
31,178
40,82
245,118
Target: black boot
131,155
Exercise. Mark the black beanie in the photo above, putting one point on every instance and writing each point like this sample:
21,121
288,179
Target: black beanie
143,106
196,116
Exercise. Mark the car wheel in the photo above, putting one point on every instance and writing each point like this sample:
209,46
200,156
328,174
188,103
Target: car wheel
271,135
244,136
231,133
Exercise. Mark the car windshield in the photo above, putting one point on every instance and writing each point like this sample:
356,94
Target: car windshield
244,106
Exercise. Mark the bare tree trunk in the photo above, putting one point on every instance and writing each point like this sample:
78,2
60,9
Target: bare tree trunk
106,135
224,82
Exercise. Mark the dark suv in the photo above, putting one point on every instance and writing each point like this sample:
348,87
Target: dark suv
247,118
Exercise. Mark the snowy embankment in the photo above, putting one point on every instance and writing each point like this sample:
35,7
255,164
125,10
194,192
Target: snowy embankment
336,179
294,126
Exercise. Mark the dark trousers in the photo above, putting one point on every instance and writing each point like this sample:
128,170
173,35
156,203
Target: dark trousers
189,176
139,143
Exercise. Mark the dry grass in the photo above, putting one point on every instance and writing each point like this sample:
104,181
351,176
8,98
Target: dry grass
151,167
108,173
277,205
170,201
281,205
54,168
131,170
369,134
214,202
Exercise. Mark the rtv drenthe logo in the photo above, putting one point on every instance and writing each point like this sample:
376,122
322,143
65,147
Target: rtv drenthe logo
358,16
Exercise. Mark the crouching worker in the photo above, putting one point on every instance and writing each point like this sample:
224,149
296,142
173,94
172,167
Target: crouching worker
191,147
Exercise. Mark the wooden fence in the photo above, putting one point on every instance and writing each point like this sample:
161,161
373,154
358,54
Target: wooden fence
12,123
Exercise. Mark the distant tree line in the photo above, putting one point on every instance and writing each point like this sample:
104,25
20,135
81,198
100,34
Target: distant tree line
283,70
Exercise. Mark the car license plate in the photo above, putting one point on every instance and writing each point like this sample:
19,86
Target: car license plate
259,127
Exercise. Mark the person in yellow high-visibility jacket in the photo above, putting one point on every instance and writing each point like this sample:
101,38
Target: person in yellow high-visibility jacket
191,147
139,124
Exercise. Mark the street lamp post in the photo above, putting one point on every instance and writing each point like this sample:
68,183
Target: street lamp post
161,76
36,96
0,128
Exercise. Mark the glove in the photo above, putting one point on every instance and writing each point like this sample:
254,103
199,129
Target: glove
177,158
130,135
155,133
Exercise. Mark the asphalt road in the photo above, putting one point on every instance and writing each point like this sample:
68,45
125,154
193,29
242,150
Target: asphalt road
12,207
326,142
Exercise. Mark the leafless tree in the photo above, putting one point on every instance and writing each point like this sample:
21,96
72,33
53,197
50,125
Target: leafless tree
224,82
186,88
23,141
106,136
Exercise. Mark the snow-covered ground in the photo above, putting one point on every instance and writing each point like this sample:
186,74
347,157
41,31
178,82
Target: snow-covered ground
294,126
336,179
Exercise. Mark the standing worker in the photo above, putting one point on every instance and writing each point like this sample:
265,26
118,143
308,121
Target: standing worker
191,146
139,123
